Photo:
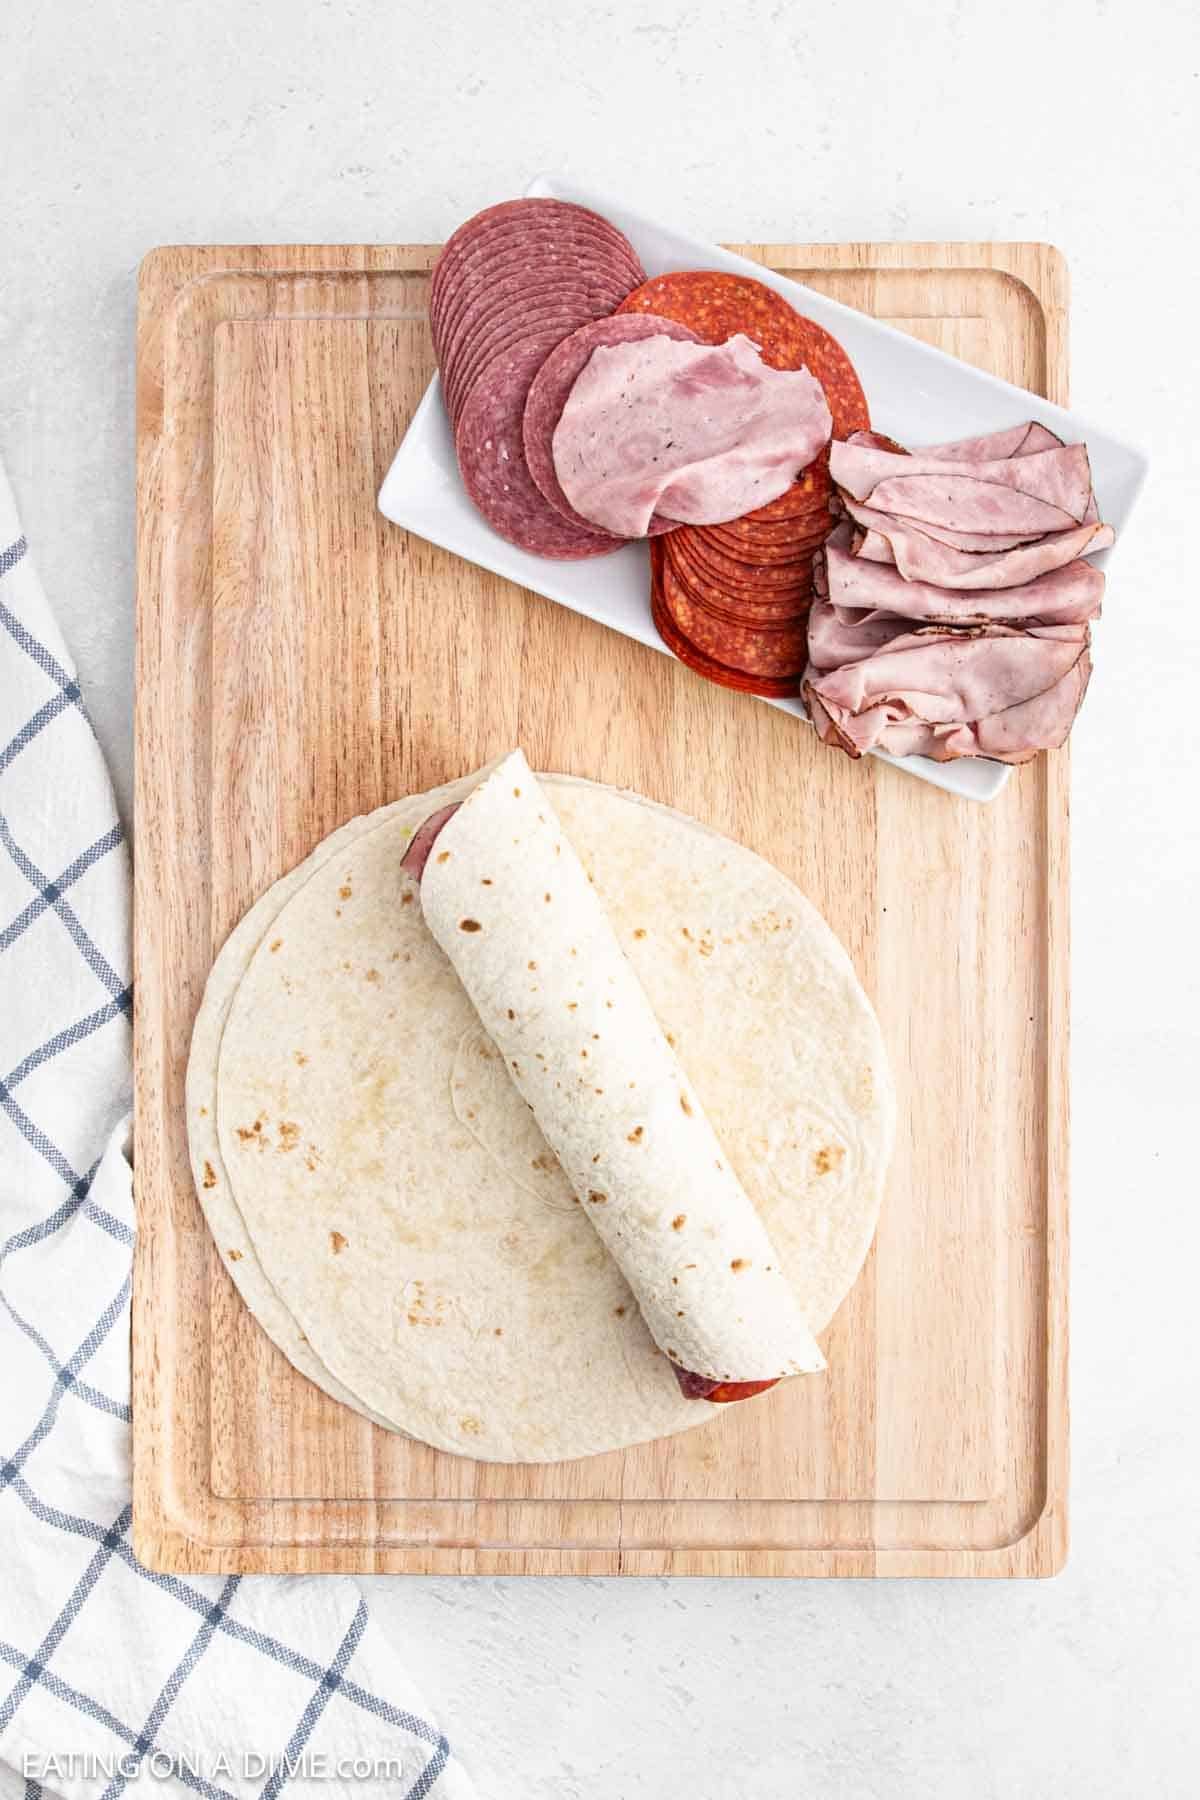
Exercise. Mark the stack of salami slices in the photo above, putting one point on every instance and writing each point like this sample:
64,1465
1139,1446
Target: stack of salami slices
509,287
732,600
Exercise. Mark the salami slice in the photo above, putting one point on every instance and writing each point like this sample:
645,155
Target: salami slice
533,219
491,458
558,318
553,383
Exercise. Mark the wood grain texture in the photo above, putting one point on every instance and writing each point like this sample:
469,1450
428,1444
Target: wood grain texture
301,661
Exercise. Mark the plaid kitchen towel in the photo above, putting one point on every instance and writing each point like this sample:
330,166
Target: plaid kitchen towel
112,1678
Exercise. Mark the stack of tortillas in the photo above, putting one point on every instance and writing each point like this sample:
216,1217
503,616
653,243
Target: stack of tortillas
382,1193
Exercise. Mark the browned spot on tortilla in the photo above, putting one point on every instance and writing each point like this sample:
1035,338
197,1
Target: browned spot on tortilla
275,945
299,1058
546,898
498,1331
345,892
531,965
374,977
544,1161
470,1112
250,1134
471,1425
679,1314
637,1134
289,1135
347,967
312,1156
516,1066
572,1006
210,1176
406,899
720,1165
828,1157
599,1090
395,956
511,1013
678,1222
640,932
443,856
583,1052
671,1039
595,1198
705,947
234,1255
337,1243
204,1112
469,925
690,1265
687,934
516,793
686,1104
620,1311
596,1158
739,1263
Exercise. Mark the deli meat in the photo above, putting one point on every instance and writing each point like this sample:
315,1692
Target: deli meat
921,558
1067,595
692,432
1060,480
1016,440
955,608
992,690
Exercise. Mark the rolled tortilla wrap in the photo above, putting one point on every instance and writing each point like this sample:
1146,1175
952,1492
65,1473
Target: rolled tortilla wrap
506,897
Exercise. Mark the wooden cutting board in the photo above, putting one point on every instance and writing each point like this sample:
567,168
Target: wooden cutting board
301,661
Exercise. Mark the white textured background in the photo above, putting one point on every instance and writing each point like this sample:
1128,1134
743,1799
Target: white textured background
127,123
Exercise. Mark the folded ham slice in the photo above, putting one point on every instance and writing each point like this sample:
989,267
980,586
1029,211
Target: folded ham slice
979,542
955,605
1014,440
697,433
946,489
1067,595
920,557
992,690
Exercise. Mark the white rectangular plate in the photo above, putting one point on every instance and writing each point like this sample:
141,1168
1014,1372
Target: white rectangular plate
917,393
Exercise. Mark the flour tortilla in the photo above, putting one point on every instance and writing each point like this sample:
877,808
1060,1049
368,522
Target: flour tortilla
220,1207
505,895
400,1212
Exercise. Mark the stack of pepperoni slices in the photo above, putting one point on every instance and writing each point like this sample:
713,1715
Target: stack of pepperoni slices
732,600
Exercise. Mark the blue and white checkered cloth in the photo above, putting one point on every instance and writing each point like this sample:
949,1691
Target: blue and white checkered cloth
114,1679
